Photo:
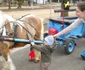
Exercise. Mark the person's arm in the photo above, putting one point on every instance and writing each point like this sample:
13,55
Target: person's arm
39,48
75,24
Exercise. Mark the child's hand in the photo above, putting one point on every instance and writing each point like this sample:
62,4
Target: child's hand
32,43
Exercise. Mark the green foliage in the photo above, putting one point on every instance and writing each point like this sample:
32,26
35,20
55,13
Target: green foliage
21,0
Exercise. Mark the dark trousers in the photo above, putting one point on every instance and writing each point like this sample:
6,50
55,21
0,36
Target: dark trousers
44,66
29,4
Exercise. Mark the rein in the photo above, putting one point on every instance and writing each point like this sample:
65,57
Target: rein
29,24
27,30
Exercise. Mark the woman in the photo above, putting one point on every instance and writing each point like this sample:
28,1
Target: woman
80,12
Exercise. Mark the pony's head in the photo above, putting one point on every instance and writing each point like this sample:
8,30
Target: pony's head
4,21
8,29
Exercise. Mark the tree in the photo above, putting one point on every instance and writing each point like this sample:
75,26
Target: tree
31,3
20,2
9,4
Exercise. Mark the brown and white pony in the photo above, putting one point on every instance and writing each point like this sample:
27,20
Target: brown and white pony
28,27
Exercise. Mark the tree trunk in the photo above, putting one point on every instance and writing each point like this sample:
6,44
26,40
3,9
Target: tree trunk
32,4
9,4
20,2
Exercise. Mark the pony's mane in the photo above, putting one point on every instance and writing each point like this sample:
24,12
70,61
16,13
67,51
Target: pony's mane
9,18
27,15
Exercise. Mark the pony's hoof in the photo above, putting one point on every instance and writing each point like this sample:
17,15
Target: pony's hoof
31,59
36,61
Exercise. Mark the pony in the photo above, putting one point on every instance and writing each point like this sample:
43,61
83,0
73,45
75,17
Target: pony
27,27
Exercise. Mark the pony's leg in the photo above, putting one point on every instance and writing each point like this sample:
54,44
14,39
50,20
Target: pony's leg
38,56
4,63
31,39
40,36
11,64
7,64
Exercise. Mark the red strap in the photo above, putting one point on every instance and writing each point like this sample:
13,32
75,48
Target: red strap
32,54
62,18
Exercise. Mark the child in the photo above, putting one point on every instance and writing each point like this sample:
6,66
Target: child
46,50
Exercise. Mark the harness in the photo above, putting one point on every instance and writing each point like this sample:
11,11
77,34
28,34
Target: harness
28,29
14,31
15,27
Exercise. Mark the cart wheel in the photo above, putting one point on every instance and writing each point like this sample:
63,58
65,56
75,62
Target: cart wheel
70,45
83,57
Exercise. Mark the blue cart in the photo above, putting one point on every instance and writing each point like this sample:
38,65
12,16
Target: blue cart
67,40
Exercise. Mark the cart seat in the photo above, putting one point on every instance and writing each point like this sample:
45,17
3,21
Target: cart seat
67,20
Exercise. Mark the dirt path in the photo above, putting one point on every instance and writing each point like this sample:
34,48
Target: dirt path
42,13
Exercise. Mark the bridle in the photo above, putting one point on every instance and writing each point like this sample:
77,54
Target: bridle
27,29
4,27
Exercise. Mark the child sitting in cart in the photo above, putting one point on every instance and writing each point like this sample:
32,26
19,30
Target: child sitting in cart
46,51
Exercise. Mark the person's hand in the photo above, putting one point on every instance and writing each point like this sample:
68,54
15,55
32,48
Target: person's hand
55,36
32,43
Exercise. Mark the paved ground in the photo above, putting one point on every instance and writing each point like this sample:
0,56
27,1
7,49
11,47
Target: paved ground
60,60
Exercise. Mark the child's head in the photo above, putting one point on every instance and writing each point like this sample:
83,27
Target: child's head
49,40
